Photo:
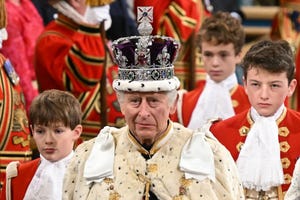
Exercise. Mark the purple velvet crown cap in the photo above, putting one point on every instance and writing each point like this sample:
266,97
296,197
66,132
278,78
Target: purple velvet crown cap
145,63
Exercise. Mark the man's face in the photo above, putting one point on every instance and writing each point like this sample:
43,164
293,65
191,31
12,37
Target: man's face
219,60
146,114
56,141
267,91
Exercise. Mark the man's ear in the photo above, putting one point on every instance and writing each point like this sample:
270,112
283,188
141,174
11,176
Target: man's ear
174,105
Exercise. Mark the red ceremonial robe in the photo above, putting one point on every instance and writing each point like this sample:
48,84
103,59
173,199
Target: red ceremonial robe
14,131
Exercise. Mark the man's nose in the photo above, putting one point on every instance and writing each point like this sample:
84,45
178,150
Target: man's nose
144,109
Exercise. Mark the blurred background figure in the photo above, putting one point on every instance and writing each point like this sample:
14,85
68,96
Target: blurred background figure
46,11
231,6
72,55
286,25
123,22
14,131
24,25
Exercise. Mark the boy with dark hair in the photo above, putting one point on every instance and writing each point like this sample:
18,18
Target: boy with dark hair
264,139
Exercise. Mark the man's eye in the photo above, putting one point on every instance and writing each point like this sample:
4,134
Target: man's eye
153,102
134,100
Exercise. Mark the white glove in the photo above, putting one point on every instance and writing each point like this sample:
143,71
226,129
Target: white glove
3,36
95,15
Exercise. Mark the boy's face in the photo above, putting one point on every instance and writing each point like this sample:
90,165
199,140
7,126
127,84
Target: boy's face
55,142
267,91
219,60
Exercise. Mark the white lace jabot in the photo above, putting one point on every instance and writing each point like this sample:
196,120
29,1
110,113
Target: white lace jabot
214,102
47,181
259,161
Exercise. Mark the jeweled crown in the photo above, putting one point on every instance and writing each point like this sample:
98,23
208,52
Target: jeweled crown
143,60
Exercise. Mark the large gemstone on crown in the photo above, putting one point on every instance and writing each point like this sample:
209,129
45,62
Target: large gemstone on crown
155,75
142,59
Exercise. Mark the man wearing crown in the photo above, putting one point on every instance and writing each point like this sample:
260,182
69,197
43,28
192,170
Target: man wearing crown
71,55
14,131
151,157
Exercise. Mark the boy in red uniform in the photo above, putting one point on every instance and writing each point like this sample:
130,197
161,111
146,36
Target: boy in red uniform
55,123
221,38
264,140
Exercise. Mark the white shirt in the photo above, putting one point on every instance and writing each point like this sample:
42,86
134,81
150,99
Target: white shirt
214,102
47,181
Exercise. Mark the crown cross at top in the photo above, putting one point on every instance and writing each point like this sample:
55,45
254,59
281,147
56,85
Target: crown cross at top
145,17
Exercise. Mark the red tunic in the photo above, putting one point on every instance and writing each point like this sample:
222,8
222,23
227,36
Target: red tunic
239,99
297,90
14,131
20,183
233,131
70,57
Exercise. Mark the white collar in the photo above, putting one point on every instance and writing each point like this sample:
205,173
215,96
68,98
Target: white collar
66,9
214,102
259,161
47,181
